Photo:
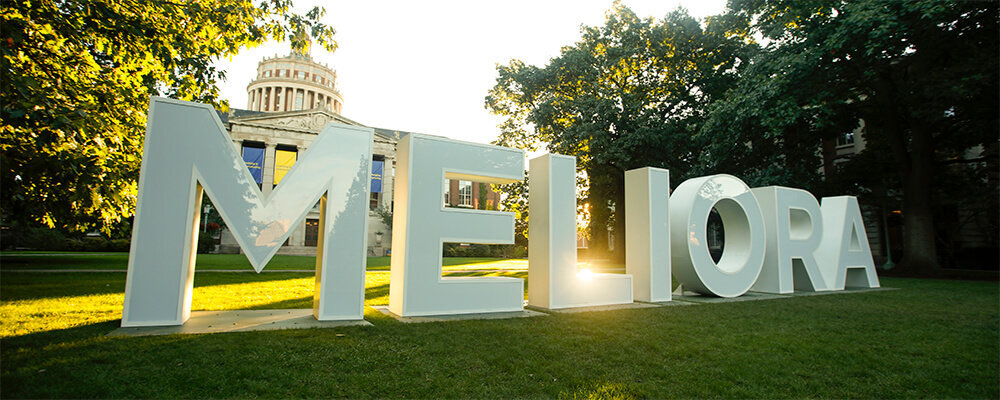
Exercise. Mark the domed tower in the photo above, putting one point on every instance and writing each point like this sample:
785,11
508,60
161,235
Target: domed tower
294,82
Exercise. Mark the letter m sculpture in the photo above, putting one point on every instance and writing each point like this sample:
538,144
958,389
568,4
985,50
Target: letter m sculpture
187,151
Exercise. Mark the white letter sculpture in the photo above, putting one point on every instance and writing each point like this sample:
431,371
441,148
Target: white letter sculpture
552,268
187,149
794,226
845,253
647,227
743,255
422,225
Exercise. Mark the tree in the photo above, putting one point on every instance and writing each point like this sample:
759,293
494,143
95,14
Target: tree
75,82
922,75
629,94
514,198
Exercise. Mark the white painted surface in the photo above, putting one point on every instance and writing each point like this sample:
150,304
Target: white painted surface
844,254
187,148
422,225
794,228
555,281
647,227
743,255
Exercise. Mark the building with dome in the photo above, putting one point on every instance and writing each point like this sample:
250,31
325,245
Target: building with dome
294,82
289,101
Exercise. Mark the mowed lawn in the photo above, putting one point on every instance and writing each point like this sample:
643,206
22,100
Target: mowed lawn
36,260
929,339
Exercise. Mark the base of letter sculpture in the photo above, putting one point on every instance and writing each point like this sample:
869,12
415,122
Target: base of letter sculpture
776,239
845,248
416,286
743,255
647,224
186,149
555,281
794,227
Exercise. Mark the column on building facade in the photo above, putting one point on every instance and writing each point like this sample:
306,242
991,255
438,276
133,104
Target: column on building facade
387,175
260,98
279,98
268,173
250,100
270,99
284,98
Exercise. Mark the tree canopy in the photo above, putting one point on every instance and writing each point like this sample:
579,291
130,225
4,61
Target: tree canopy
922,77
630,93
763,91
75,82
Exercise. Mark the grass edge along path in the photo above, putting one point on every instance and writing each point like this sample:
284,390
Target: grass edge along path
931,339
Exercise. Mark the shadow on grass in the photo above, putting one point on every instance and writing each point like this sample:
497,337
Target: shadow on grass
932,340
34,286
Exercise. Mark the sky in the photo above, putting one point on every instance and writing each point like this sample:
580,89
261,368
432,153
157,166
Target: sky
426,67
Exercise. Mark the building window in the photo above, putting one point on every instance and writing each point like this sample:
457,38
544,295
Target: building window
298,100
267,74
373,202
464,194
845,139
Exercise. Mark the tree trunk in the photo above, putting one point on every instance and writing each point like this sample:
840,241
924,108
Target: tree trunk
599,214
597,248
914,159
618,255
919,245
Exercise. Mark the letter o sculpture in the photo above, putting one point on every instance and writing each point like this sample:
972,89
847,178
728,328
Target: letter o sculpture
743,255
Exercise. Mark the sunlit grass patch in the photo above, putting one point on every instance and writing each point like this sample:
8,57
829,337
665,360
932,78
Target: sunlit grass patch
931,339
22,317
239,262
46,305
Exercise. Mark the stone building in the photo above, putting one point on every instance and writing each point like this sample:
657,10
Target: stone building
293,82
966,228
289,102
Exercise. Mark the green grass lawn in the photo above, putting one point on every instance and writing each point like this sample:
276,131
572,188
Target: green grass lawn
40,260
931,339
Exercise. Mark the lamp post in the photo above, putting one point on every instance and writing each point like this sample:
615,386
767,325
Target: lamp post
207,209
888,248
